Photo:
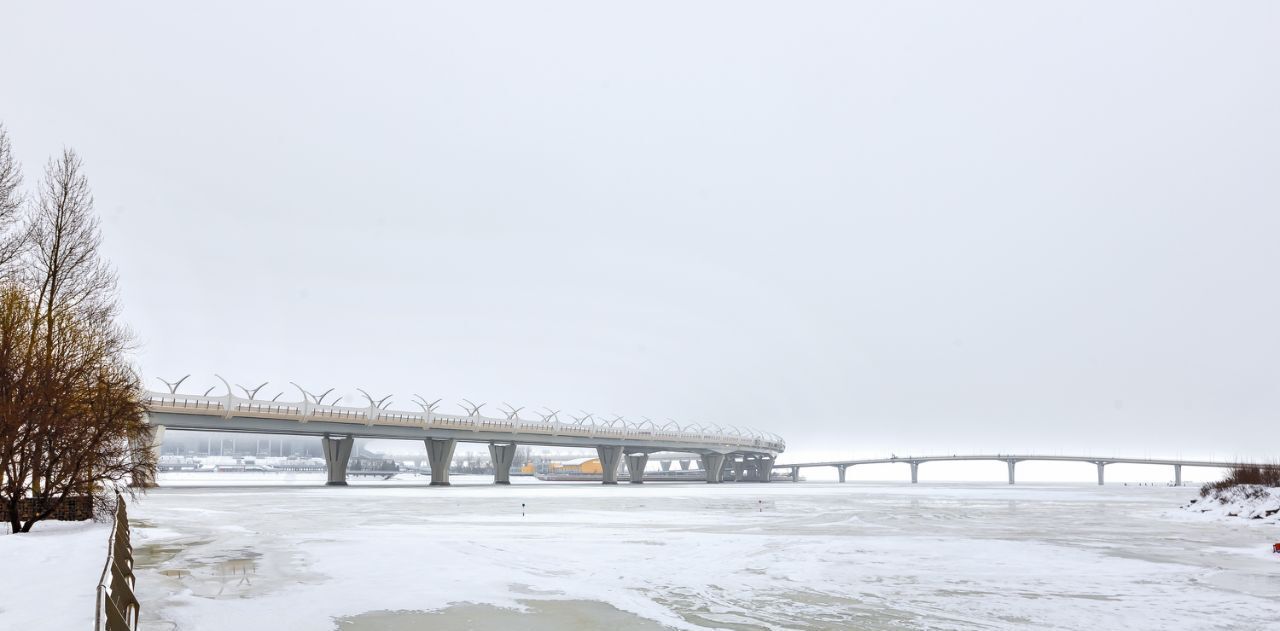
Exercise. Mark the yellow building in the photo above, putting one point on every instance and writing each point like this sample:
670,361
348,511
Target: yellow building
580,465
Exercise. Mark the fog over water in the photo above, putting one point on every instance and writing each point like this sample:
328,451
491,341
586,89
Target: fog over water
870,227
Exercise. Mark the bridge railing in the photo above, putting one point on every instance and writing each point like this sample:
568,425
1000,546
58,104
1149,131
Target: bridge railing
229,406
118,608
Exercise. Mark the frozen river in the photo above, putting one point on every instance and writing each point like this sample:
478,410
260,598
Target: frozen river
394,556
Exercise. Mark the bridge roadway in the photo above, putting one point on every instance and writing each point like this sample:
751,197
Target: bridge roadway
748,453
1012,460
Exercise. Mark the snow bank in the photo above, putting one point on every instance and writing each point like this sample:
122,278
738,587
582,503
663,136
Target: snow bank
50,575
1247,501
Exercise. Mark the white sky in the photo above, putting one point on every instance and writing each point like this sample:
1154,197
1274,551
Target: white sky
867,226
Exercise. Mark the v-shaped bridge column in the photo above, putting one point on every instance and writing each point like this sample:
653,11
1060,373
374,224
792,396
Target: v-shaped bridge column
337,451
440,455
635,467
157,438
764,469
713,464
610,458
502,455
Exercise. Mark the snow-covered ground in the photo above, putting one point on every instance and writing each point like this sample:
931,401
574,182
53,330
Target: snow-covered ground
400,555
49,576
1257,503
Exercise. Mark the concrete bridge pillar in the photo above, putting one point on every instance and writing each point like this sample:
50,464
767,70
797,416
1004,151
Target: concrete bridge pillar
635,467
795,474
1177,475
440,456
1100,474
684,465
153,446
502,455
915,473
713,464
1012,464
765,469
666,465
610,458
337,451
840,470
739,466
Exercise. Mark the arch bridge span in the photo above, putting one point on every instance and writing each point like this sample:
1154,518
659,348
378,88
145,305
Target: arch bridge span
1012,461
617,441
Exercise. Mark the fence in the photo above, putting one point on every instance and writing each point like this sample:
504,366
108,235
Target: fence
117,604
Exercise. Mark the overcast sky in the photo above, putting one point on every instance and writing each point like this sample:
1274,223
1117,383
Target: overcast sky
866,226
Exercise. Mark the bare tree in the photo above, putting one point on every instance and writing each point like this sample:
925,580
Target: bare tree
11,241
71,414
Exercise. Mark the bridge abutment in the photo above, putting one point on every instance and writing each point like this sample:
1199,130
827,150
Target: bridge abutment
337,452
635,467
713,464
502,455
610,459
440,457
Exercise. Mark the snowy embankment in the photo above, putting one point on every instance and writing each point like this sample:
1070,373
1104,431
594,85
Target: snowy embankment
1245,501
50,575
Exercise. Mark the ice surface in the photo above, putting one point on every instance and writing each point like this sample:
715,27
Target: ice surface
690,556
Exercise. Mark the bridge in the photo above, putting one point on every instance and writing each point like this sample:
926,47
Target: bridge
1012,460
616,441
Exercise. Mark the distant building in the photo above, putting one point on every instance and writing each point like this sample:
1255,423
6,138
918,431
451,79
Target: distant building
578,465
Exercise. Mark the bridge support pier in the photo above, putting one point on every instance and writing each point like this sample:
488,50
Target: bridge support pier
665,464
713,464
764,469
795,474
635,467
502,455
840,471
156,439
610,459
1012,464
1100,474
1177,475
915,473
739,466
337,451
684,465
440,457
